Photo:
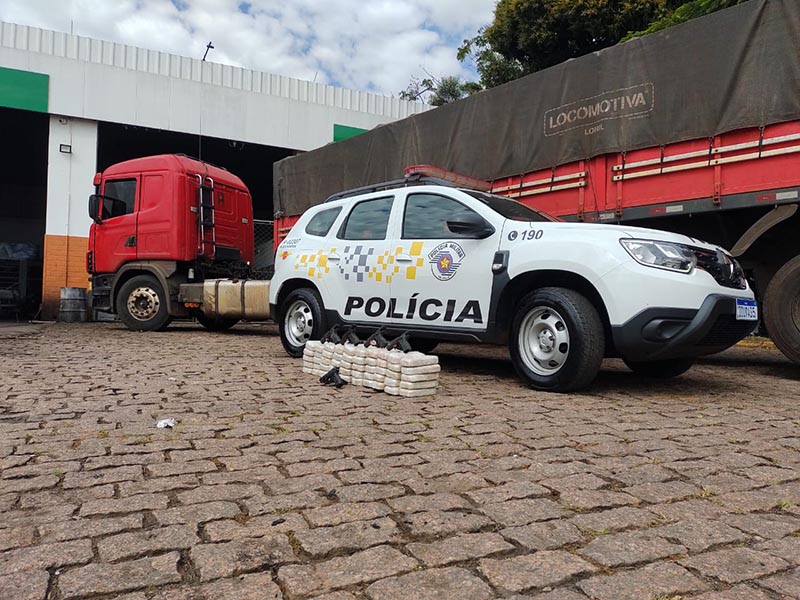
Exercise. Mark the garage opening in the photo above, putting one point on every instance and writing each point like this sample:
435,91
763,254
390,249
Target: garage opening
251,162
23,207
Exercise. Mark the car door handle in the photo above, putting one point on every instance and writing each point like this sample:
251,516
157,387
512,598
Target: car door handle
333,257
403,258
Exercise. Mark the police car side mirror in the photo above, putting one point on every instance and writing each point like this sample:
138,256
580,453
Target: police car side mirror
470,224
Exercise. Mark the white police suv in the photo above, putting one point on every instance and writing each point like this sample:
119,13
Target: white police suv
453,264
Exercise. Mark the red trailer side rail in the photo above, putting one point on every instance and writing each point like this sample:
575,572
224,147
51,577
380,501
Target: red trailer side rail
744,168
281,228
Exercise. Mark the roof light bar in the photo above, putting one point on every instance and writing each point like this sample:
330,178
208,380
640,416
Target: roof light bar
455,178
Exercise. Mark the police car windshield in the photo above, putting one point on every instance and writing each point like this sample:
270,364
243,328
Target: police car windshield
510,209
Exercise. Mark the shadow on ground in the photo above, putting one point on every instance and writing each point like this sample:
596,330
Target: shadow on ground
737,362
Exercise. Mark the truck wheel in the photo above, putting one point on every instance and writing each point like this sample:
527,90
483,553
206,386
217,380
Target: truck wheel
301,318
557,340
142,304
661,369
218,324
782,309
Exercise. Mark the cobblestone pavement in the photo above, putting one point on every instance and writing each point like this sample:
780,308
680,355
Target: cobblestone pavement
273,486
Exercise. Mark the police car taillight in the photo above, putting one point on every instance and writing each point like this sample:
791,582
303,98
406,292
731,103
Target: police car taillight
451,176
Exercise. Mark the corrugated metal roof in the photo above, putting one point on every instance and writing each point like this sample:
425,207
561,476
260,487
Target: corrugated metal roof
133,58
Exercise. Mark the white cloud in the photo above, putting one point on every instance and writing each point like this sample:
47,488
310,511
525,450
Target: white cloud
375,45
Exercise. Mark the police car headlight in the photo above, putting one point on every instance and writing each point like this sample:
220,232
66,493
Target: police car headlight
661,255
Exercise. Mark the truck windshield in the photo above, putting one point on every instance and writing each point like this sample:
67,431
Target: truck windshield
510,209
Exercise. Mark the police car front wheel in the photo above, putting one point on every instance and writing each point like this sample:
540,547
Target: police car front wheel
557,340
302,319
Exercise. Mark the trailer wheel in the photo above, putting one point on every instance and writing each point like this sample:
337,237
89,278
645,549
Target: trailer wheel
661,369
142,304
218,324
300,318
782,309
557,340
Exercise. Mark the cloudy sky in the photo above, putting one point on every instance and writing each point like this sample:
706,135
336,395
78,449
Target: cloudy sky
375,45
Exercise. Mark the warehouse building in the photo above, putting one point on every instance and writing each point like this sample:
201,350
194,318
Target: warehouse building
71,106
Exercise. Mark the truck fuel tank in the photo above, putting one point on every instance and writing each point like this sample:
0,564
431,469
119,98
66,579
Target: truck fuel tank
236,299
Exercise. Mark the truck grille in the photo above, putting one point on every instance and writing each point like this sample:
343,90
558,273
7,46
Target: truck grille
726,331
725,270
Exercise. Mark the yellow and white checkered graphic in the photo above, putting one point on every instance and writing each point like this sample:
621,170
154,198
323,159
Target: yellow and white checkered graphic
388,268
385,269
316,264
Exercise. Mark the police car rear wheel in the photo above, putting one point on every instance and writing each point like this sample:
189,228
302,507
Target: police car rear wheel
302,319
557,340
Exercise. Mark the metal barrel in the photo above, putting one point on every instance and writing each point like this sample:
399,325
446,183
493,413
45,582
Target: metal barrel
73,306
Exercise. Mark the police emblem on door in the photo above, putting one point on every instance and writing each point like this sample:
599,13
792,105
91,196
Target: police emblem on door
445,260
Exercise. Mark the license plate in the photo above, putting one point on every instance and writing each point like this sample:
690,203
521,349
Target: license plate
746,310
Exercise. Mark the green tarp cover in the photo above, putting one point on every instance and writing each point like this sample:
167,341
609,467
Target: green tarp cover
734,69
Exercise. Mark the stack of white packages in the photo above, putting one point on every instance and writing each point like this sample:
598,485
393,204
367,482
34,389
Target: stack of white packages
411,374
391,381
311,354
346,366
375,369
359,364
324,359
408,374
337,358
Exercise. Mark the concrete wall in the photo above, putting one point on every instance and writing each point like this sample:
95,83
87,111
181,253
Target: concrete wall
69,183
69,176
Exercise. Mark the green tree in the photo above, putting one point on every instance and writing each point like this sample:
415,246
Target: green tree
529,35
416,89
448,89
493,68
685,12
439,91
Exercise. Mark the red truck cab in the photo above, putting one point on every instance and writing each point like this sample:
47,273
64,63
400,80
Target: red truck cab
165,220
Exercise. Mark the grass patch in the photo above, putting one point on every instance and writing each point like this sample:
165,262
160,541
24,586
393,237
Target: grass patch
706,493
280,430
593,533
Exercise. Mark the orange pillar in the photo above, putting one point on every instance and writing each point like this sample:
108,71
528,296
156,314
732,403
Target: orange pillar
64,266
